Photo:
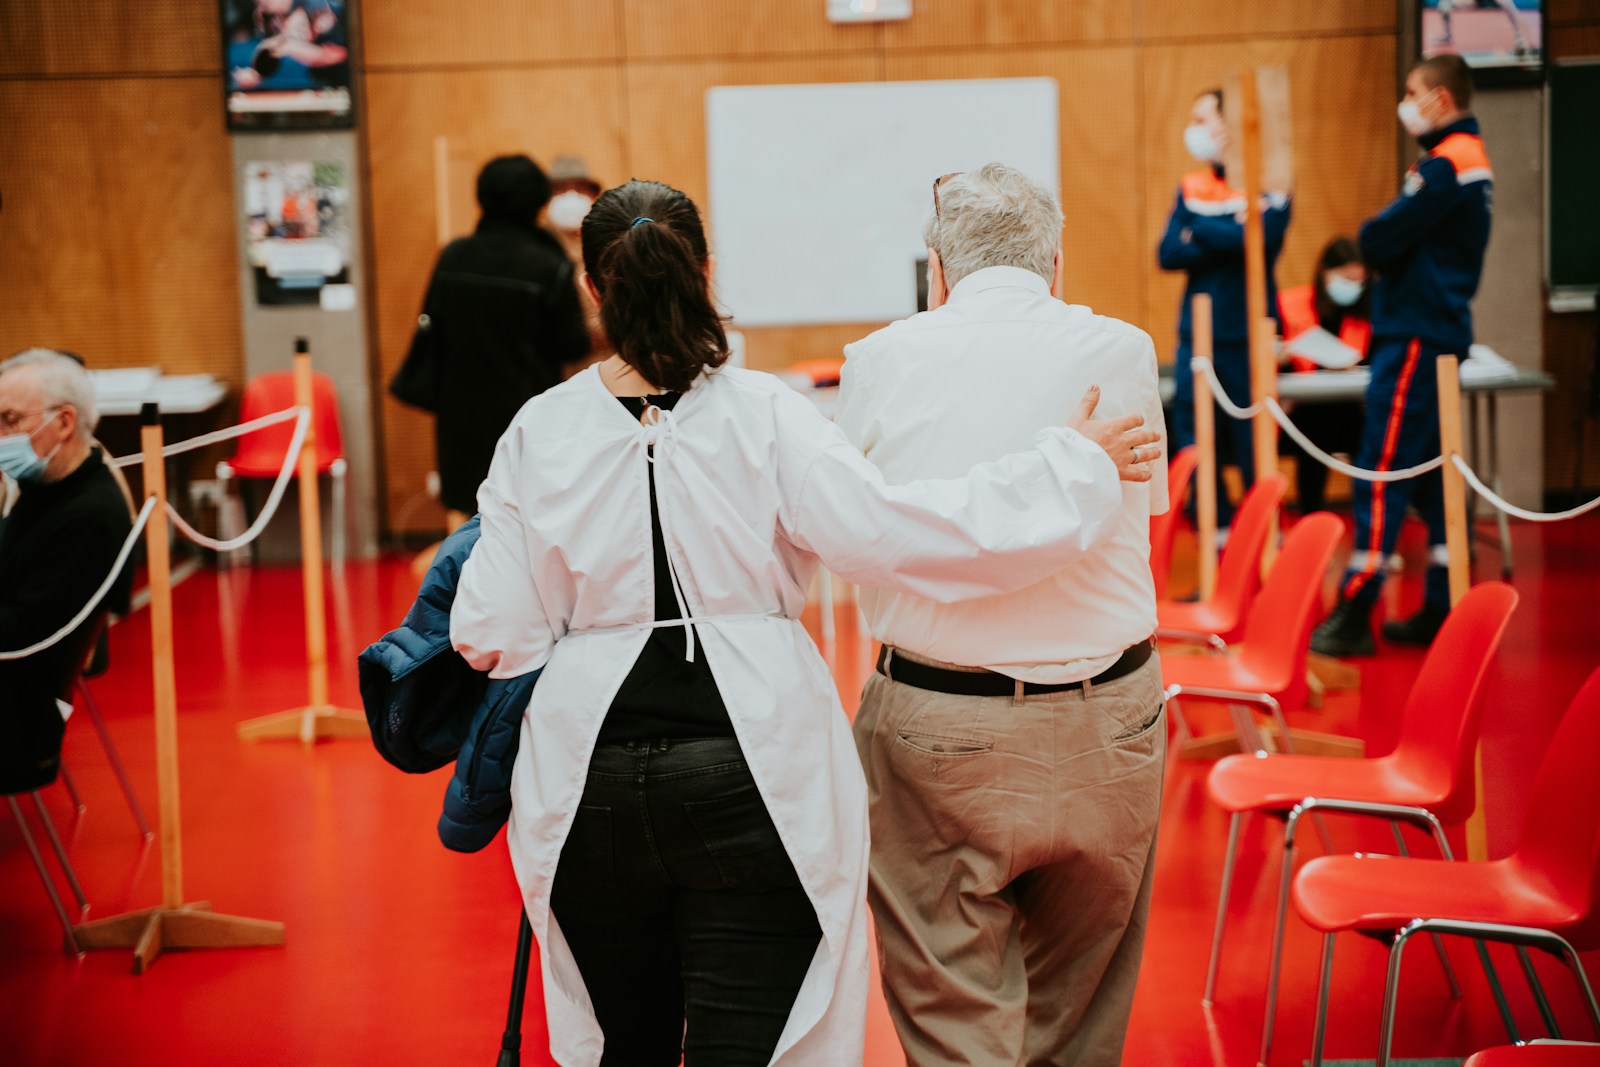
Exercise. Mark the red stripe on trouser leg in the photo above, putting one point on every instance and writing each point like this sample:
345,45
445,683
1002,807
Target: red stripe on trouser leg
1391,438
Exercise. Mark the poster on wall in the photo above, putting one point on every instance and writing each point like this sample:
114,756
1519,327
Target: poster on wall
297,232
1491,35
287,63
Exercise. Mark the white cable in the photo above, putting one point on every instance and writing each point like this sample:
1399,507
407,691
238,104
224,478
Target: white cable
215,437
1344,468
1201,363
1511,509
99,594
289,458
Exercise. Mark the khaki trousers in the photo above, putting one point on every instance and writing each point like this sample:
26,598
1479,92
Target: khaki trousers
1013,843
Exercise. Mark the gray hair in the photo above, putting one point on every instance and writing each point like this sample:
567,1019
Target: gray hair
63,381
995,216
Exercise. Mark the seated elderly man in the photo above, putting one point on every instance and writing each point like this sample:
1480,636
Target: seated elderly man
57,545
1013,745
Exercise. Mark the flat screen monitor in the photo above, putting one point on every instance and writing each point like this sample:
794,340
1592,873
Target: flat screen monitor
286,64
1501,40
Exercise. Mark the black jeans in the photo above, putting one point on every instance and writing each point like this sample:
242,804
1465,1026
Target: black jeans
681,907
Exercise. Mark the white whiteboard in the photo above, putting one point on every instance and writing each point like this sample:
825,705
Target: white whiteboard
818,192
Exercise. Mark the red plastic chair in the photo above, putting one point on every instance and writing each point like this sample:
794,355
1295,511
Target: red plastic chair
1220,619
261,454
1427,780
1267,669
1544,895
1539,1054
1164,527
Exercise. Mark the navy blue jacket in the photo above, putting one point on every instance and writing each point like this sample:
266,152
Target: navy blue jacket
425,705
1427,246
1204,240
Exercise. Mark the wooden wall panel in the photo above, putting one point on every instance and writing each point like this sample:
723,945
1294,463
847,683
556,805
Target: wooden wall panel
118,224
544,112
1254,19
1105,265
722,29
111,36
1012,22
446,33
1342,102
667,142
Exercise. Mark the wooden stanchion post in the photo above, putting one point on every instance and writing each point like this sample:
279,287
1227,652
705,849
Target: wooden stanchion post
1205,439
175,924
441,189
1457,535
318,718
1264,387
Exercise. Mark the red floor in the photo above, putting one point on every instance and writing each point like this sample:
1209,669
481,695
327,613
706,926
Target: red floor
399,952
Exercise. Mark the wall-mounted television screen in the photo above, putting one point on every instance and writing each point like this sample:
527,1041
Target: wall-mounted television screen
1504,36
287,64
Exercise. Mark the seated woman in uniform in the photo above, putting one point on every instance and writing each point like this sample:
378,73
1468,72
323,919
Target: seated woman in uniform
1335,300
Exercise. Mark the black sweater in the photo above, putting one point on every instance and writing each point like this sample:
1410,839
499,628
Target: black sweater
56,547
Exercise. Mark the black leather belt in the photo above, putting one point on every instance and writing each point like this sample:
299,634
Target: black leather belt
991,684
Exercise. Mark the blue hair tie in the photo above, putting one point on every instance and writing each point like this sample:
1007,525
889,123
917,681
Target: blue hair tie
640,220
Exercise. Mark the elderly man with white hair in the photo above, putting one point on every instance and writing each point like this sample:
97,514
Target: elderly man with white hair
57,544
1013,745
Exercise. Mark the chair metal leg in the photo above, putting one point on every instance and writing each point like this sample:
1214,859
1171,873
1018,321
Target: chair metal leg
44,876
338,477
1575,965
1498,992
1391,994
61,853
1222,906
1276,965
72,791
1550,1025
1438,942
93,708
1324,985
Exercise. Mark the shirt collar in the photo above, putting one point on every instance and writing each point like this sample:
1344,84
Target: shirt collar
1465,124
999,278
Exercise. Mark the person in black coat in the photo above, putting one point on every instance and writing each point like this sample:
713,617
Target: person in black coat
500,321
57,545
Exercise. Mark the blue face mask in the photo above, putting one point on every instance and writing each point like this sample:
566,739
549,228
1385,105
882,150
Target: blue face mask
19,461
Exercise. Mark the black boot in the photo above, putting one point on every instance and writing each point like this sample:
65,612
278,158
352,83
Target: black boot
1420,629
1347,631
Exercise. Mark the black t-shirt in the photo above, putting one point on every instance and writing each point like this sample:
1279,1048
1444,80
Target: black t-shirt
665,696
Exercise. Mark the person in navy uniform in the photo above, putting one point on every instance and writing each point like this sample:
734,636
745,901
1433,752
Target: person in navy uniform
1205,239
1427,250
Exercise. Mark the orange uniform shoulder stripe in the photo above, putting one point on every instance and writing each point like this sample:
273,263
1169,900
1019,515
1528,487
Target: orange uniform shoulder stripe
1205,185
1467,155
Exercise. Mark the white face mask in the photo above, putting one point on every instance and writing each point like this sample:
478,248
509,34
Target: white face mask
568,210
1201,145
19,461
1341,290
1411,117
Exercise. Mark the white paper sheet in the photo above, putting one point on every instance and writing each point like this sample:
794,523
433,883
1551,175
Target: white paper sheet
1324,349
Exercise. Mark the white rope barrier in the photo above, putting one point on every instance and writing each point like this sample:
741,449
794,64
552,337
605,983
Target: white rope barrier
99,594
1201,363
1511,509
1271,405
302,421
1330,462
215,437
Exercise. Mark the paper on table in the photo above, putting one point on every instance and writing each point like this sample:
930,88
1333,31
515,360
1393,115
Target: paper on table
1323,349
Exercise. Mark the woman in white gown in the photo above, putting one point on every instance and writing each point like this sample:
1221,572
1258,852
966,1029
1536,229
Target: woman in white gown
689,821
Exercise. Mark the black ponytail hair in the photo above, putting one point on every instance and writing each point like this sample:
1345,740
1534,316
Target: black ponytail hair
645,250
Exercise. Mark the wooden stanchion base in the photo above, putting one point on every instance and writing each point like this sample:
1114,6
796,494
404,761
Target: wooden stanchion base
153,931
1306,743
1331,674
308,725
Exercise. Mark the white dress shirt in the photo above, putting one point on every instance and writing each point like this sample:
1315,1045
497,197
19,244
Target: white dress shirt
975,379
754,486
